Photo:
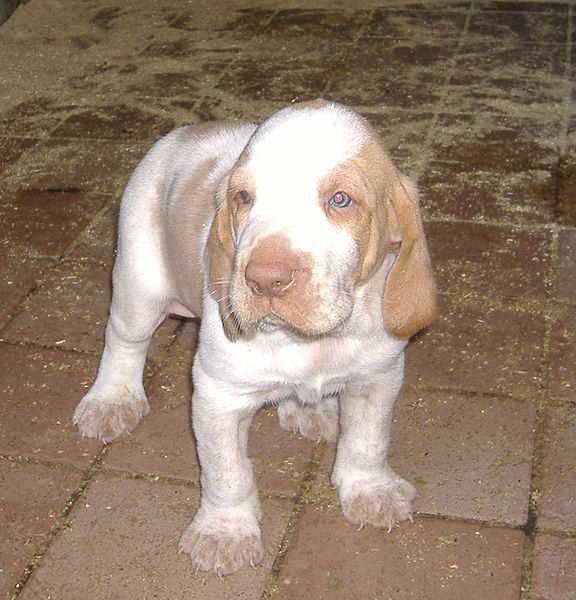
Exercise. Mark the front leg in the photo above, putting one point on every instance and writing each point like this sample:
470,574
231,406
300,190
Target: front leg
116,401
224,536
370,492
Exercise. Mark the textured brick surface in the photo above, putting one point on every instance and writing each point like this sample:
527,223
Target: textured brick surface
475,100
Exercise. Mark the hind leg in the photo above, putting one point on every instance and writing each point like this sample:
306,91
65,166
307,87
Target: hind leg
317,422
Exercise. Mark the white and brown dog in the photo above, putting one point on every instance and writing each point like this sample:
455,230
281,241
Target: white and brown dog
284,237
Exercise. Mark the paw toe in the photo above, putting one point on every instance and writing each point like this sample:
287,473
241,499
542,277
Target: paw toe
223,553
381,506
108,420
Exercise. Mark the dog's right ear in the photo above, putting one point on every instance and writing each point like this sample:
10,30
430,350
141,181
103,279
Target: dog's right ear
220,251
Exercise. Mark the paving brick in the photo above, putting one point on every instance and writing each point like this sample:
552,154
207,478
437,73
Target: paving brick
469,457
60,164
39,390
557,503
71,308
469,561
463,192
20,276
477,261
562,382
519,25
485,347
39,223
554,568
487,140
114,122
32,497
123,540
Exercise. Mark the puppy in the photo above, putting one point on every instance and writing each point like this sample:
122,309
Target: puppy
302,248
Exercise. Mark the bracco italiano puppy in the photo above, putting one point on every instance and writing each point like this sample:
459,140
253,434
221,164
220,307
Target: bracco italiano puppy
301,246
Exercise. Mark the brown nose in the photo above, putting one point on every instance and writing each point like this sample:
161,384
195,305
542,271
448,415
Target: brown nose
269,279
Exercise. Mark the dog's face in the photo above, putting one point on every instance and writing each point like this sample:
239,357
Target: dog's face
306,215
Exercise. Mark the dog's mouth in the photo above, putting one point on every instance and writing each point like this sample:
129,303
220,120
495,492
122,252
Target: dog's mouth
308,311
272,320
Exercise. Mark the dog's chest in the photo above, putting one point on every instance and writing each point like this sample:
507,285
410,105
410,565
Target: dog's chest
309,371
309,391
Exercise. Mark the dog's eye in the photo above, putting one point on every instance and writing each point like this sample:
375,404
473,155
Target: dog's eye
245,198
340,200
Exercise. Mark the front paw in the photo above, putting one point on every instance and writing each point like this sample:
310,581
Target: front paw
222,544
107,416
380,500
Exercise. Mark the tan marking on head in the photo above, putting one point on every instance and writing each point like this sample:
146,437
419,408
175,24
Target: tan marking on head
310,303
297,307
363,219
220,250
387,212
221,246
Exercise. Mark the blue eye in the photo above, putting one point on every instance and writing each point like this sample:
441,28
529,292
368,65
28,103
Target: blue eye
245,198
340,200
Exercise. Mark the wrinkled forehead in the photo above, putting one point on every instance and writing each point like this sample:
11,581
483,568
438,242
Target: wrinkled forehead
298,146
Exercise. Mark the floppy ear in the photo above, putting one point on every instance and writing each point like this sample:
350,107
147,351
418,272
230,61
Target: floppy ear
220,251
409,300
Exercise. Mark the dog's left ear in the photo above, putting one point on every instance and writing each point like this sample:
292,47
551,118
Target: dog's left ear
220,250
410,297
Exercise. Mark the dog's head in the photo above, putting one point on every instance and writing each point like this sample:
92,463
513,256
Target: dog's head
306,216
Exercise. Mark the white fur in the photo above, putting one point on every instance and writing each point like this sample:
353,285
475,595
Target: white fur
311,141
288,158
355,358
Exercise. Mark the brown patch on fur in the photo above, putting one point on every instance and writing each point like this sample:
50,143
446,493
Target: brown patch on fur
189,201
365,219
297,306
220,250
385,212
185,224
221,245
410,297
